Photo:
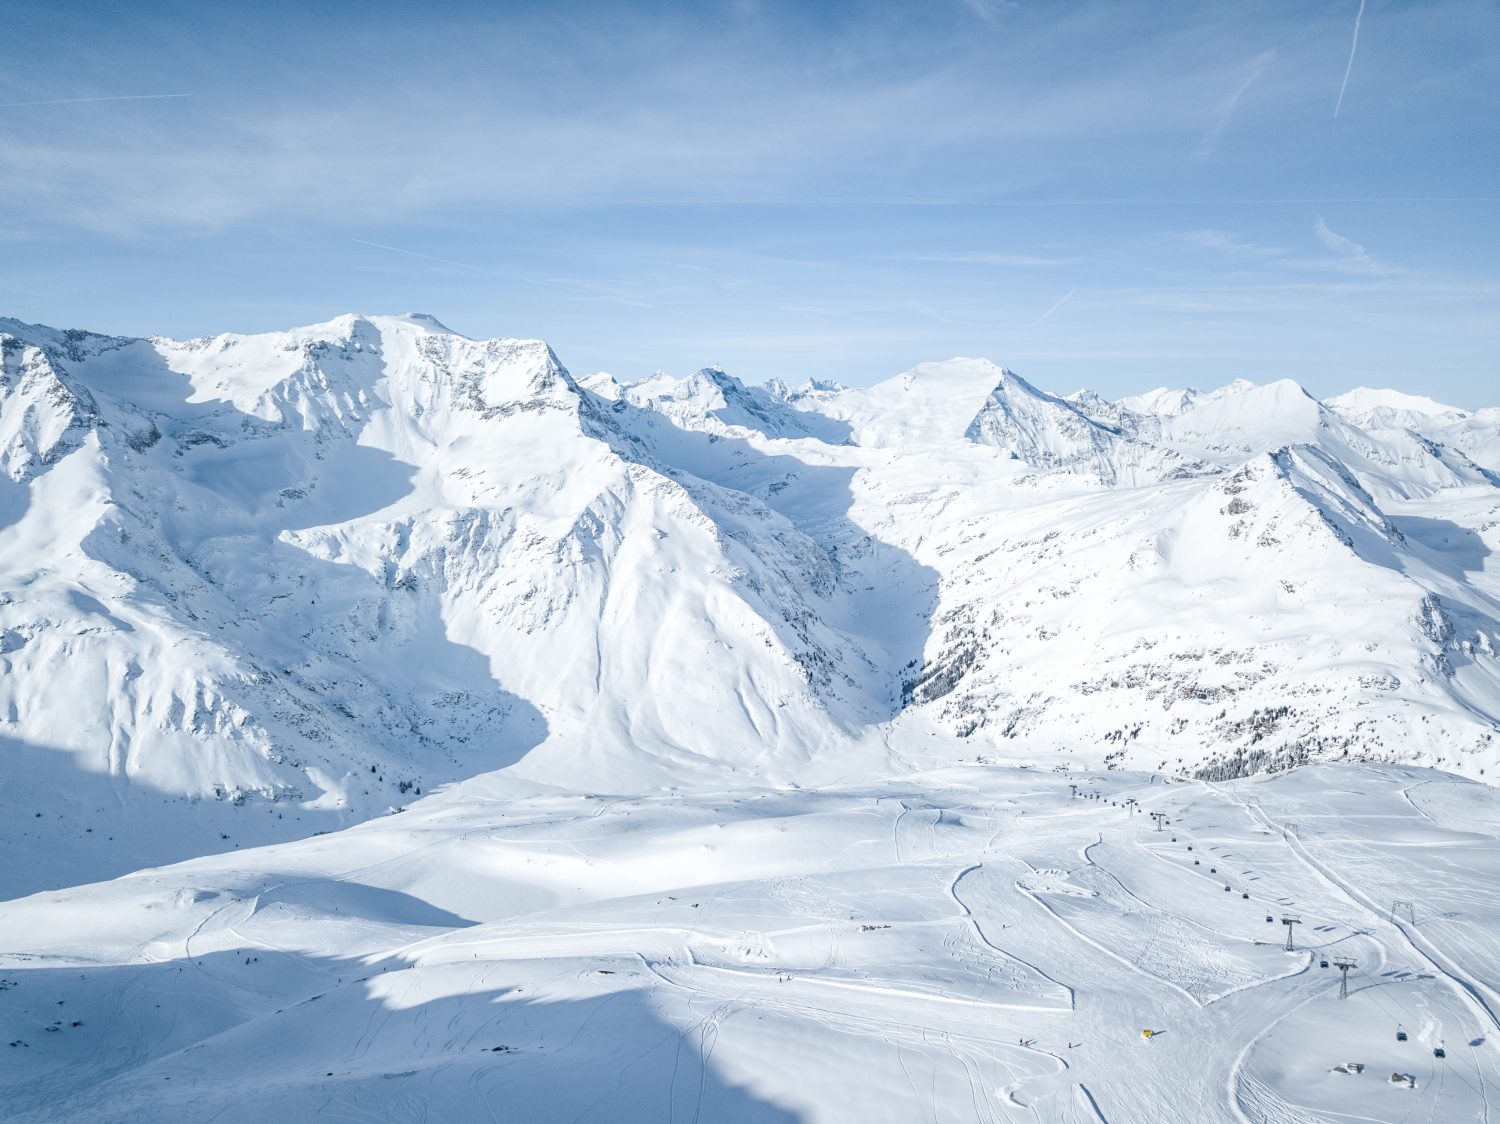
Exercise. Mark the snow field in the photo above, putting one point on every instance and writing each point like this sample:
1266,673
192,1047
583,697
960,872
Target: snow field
970,943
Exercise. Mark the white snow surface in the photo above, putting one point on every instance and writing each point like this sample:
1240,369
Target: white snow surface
966,943
560,749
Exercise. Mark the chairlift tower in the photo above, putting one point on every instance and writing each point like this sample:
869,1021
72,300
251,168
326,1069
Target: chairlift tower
1290,919
1343,966
1160,818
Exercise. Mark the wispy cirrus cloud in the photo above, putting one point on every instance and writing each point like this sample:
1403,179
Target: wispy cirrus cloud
83,101
1222,241
1343,255
785,187
1209,143
729,110
990,10
1346,252
1004,260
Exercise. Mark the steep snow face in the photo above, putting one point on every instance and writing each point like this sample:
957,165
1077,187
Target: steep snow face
1052,433
256,586
1038,428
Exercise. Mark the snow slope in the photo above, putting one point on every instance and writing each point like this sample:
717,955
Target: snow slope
973,943
1476,435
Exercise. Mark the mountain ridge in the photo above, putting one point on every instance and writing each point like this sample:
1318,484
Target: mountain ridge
277,583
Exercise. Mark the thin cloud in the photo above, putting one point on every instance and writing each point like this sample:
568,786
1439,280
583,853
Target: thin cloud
81,101
968,129
927,310
1353,47
1210,142
1344,254
1065,299
826,313
990,10
1220,241
599,289
1350,251
1019,261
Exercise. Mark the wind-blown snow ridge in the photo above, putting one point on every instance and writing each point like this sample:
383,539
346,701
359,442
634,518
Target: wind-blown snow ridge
253,586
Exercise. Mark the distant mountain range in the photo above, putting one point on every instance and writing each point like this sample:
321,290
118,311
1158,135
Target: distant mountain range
257,586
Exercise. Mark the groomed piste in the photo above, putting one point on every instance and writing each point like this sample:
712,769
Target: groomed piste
961,944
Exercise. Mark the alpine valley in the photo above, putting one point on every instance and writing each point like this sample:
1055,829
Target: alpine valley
256,589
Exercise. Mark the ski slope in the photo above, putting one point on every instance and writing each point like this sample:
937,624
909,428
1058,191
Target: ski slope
969,943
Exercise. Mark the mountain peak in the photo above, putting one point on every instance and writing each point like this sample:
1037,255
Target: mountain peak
1367,401
423,321
1164,401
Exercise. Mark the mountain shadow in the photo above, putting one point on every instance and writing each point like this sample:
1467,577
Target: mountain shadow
253,1034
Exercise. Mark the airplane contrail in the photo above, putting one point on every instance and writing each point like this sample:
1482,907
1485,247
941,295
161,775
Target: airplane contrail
1157,201
1353,46
78,101
1065,299
414,254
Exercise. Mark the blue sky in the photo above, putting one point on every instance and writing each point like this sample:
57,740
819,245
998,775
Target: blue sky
1117,195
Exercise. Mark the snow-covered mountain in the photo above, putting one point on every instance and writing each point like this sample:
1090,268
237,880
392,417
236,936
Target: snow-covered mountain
257,586
1476,434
